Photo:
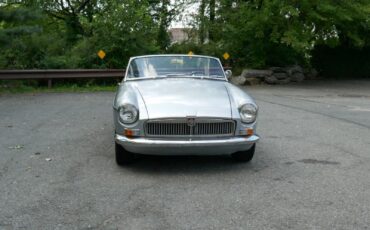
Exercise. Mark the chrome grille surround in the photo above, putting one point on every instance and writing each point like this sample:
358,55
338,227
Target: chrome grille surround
181,128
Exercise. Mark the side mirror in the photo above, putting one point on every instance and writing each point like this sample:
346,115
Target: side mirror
228,73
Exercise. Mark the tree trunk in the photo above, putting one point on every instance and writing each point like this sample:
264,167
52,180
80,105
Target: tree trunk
202,31
212,13
163,38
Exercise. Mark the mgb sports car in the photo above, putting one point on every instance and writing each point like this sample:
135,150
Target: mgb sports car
182,105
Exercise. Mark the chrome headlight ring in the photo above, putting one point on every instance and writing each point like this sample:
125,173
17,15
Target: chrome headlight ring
248,113
128,114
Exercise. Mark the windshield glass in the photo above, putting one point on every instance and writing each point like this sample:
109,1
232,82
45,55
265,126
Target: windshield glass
175,66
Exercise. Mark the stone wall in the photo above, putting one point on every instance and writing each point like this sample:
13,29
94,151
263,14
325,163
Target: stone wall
274,75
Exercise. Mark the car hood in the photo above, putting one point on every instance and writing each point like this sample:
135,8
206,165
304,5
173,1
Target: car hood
177,97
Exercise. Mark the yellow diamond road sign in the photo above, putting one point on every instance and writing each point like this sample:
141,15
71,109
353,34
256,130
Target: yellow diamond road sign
101,54
226,55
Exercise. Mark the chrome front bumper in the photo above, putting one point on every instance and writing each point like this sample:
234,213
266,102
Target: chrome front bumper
219,146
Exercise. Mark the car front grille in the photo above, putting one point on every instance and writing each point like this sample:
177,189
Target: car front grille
183,128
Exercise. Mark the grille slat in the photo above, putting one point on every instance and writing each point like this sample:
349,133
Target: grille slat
181,128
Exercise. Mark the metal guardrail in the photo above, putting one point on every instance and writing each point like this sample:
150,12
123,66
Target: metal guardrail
50,74
60,74
63,73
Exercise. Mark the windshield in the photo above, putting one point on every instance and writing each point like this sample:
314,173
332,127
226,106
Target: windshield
175,66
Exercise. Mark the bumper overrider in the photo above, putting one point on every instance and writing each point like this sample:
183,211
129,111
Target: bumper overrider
189,146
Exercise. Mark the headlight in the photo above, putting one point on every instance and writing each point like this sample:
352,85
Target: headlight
128,114
248,113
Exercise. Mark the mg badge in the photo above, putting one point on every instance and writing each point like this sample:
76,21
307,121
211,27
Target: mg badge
190,121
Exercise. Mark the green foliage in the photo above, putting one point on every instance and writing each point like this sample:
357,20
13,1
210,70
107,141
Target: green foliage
342,61
74,31
126,31
15,21
257,34
266,33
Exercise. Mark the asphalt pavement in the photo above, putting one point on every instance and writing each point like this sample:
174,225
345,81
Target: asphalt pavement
311,169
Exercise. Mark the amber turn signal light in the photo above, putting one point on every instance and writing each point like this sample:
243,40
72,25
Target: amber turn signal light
250,132
128,133
131,132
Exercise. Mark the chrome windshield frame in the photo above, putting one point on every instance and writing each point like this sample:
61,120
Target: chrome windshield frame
223,78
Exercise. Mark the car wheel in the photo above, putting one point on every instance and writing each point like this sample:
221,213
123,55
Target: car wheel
124,157
244,156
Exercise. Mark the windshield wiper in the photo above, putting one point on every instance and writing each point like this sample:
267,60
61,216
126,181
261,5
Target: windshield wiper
212,77
175,75
184,75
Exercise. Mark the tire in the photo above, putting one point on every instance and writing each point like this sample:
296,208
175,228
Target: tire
244,156
124,157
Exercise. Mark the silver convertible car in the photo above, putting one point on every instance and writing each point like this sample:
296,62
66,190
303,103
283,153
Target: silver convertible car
182,105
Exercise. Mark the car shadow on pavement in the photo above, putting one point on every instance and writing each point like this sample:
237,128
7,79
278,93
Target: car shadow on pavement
191,164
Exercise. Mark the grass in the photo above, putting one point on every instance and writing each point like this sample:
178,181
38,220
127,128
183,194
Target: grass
19,87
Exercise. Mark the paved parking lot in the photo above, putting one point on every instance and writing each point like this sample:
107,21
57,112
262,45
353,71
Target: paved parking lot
311,169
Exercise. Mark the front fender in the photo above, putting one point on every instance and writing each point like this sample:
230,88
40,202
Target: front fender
127,93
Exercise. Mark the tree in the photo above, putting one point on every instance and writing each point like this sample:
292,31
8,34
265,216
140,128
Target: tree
202,21
163,13
206,20
72,31
71,13
264,33
164,21
257,33
212,15
126,29
15,21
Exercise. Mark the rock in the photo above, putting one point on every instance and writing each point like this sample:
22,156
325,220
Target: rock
280,76
312,74
274,75
297,77
277,69
294,69
283,81
271,80
295,73
255,73
253,81
239,80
